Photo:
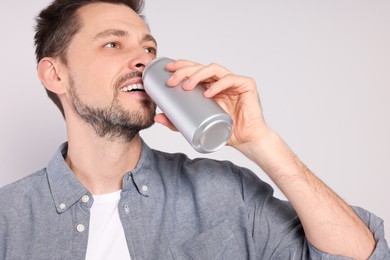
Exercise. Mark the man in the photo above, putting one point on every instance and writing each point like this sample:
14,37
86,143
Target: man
107,195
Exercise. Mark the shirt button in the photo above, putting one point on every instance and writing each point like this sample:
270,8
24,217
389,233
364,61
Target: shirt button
80,228
85,198
62,206
144,188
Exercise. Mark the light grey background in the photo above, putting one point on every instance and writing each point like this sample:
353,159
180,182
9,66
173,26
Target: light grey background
322,69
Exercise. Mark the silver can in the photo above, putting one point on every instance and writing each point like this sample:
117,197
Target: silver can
203,123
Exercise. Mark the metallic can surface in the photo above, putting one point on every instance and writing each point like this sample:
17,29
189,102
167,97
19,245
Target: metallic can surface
203,123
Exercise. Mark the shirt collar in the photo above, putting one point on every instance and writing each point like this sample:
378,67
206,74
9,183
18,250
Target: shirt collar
141,174
67,190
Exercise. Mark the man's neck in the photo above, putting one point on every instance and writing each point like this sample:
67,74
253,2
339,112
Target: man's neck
98,163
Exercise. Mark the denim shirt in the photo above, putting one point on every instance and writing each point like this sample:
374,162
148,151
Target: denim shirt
171,207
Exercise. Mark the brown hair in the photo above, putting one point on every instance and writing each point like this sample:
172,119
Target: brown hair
58,23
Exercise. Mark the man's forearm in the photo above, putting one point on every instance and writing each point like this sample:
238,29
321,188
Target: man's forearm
330,224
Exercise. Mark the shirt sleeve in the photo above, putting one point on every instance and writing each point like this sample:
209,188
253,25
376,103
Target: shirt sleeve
277,231
376,226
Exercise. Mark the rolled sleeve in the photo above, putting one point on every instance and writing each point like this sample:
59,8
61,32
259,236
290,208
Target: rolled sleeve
376,226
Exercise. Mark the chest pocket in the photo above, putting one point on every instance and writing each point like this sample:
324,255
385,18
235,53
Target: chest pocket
215,243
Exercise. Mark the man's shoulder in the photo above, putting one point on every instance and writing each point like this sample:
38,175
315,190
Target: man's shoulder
26,186
182,160
202,169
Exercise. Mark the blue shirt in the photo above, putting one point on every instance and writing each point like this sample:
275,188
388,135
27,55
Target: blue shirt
171,207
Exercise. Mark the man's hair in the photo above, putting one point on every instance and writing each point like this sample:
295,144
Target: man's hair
58,23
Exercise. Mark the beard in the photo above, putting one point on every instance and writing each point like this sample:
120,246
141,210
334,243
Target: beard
115,122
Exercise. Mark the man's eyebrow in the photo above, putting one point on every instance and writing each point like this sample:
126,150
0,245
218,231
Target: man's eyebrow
111,32
122,33
149,38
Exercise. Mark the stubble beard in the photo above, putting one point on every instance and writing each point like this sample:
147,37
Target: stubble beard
114,123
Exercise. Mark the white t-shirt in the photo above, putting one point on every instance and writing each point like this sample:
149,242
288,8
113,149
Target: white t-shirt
106,238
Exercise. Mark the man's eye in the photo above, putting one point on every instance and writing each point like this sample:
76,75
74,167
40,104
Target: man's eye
150,50
111,45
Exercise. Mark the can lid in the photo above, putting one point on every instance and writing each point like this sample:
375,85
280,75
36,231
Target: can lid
213,136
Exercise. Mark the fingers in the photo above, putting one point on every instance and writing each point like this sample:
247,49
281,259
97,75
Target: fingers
181,69
215,79
191,73
236,94
234,83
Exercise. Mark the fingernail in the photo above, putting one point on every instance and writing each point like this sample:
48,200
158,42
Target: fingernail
207,93
169,65
171,80
186,84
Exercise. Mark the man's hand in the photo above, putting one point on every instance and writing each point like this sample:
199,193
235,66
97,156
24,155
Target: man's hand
237,95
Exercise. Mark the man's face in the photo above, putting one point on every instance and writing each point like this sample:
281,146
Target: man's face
104,62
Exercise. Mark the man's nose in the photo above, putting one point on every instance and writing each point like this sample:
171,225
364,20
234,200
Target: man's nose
140,60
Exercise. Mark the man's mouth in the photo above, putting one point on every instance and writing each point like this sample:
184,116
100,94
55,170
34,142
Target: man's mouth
133,87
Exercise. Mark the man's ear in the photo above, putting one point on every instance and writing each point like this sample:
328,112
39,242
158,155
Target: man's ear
48,73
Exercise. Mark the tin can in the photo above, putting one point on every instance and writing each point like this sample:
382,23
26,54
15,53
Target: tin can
203,123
